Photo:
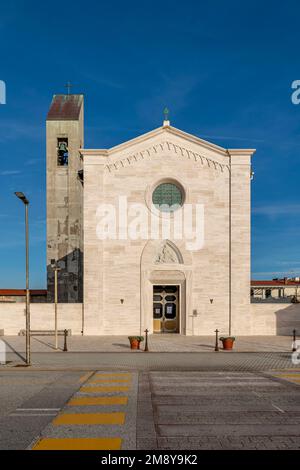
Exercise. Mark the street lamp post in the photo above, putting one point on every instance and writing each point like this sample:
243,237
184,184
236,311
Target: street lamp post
25,201
55,268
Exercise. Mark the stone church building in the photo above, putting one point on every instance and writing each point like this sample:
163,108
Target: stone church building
109,213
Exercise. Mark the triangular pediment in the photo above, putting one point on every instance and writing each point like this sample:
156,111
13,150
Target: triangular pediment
161,141
167,132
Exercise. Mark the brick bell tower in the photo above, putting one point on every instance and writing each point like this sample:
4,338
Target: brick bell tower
64,137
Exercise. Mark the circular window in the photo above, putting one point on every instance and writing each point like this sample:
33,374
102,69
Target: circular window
167,197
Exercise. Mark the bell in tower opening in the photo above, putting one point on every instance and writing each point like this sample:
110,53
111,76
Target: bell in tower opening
62,152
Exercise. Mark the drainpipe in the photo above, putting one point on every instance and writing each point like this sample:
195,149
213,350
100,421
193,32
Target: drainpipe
141,288
82,318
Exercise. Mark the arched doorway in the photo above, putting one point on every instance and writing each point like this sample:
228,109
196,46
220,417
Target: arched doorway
165,281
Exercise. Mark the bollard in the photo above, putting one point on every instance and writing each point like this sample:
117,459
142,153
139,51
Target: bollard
294,341
217,340
146,341
65,341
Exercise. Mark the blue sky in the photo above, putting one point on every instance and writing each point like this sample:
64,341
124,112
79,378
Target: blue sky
224,69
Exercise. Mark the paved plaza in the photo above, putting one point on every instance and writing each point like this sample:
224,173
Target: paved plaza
166,352
221,361
157,343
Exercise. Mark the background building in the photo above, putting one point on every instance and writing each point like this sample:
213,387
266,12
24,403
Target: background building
19,295
278,290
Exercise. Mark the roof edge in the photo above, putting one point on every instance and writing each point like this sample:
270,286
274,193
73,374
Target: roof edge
174,131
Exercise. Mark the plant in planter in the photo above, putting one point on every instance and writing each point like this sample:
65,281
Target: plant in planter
227,342
135,341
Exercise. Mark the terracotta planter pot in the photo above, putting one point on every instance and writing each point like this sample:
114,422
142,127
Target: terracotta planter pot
134,344
227,343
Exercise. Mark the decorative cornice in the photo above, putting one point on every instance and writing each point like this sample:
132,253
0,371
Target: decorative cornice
95,152
166,147
241,152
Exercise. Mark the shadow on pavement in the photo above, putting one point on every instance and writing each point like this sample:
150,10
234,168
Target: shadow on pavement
14,350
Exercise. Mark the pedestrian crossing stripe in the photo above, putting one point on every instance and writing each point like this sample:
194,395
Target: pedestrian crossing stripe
109,380
85,377
89,418
104,443
103,389
288,375
289,379
113,374
90,401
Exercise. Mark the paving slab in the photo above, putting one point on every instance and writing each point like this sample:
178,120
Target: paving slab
201,361
157,343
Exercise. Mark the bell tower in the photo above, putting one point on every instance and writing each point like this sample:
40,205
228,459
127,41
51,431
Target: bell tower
64,137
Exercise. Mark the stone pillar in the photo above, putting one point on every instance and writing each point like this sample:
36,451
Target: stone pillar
240,240
93,247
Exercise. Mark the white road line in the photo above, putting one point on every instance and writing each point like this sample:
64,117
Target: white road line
33,414
274,406
277,408
37,409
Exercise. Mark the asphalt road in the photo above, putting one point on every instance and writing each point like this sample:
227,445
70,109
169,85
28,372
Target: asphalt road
29,401
169,409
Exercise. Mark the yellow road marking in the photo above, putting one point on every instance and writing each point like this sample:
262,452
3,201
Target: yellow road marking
85,401
89,418
103,389
112,443
113,374
94,381
293,380
289,375
85,377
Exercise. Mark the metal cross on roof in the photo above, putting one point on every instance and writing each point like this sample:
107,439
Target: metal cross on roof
166,114
68,86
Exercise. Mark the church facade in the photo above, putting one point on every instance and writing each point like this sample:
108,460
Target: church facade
152,233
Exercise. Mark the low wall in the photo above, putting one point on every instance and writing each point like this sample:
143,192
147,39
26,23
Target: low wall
266,319
12,317
274,319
